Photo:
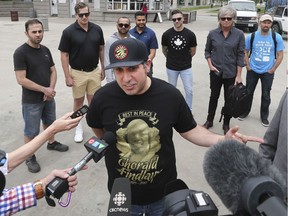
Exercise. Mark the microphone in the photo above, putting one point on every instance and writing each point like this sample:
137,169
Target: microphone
96,148
242,178
120,198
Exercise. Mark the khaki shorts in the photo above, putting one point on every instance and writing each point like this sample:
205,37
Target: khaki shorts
85,82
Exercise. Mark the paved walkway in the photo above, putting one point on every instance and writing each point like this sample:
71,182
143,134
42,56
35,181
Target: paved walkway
91,197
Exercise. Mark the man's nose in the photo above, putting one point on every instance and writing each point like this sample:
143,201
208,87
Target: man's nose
126,76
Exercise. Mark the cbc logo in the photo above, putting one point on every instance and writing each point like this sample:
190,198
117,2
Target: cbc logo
119,199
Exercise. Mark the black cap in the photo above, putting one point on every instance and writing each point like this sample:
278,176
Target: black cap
126,53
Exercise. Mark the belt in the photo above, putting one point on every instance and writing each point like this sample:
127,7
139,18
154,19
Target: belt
85,69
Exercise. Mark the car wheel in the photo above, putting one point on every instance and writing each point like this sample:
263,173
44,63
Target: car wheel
276,28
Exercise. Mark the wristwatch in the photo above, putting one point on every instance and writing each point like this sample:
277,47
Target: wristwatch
38,187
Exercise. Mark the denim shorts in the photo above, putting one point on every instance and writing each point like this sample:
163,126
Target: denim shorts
34,113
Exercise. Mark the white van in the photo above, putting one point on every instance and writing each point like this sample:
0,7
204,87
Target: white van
247,16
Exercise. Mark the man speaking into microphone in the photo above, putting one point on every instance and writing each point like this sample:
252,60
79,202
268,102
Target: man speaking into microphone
137,98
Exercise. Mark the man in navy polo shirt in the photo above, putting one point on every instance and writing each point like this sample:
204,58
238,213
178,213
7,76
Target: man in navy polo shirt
146,35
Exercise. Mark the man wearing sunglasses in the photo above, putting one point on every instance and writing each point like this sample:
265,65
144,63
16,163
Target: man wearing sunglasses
224,52
179,46
82,47
123,26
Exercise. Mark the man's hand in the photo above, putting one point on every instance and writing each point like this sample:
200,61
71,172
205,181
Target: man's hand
69,81
232,133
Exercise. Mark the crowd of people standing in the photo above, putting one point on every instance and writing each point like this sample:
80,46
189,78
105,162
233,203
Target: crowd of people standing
84,64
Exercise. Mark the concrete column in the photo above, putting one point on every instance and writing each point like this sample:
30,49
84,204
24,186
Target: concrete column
174,5
186,3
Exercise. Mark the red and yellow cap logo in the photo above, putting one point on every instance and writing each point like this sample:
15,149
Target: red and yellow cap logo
120,52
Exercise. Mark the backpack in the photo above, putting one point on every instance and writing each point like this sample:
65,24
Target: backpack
237,101
274,39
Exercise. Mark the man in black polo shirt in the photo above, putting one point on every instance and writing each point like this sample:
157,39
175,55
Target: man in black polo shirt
81,46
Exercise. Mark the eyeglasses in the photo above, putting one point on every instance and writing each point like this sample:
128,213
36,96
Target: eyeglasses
121,25
226,18
84,14
178,19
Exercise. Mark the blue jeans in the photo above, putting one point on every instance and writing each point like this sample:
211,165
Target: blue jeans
266,84
152,209
187,80
33,113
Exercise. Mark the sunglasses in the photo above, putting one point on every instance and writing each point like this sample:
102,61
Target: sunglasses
178,19
226,18
121,25
84,14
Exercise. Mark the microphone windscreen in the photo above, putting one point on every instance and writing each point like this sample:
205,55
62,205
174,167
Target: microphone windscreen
120,198
109,137
228,164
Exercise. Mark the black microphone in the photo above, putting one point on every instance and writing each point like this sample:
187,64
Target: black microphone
242,178
96,148
120,198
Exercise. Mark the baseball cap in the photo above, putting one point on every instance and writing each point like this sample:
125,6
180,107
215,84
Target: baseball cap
126,53
266,17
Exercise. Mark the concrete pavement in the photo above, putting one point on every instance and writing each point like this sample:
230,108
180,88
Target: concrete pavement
92,197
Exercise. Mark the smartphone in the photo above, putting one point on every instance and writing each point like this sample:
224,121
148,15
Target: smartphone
80,112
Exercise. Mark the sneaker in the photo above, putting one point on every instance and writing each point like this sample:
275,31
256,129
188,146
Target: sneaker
32,164
265,122
57,146
78,134
242,117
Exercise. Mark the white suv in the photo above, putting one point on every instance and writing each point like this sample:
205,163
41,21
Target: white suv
280,21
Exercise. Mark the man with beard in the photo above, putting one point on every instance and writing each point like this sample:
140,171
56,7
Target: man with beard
138,109
123,26
36,73
262,58
146,35
82,47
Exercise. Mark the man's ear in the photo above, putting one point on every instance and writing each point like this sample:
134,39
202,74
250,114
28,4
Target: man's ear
148,65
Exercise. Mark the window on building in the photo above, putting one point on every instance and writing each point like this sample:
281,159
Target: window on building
132,5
